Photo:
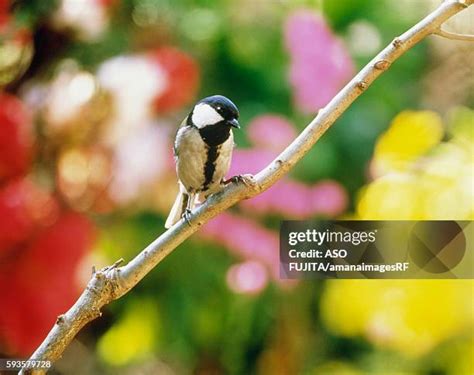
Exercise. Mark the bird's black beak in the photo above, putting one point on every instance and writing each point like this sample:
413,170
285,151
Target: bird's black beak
234,123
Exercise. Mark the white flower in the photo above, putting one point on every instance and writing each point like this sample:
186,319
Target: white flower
138,161
87,17
134,82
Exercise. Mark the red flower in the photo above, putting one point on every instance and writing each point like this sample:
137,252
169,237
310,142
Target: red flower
24,208
40,283
182,72
16,137
4,13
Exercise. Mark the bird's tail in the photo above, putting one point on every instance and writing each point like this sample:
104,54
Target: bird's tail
177,210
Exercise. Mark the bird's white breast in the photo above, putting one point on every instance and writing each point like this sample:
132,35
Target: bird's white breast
191,157
222,163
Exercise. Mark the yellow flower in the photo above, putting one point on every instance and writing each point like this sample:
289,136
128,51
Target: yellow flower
133,338
410,135
396,196
414,184
411,316
446,182
408,316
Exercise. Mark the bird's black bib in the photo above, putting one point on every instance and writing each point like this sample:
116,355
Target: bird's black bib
214,136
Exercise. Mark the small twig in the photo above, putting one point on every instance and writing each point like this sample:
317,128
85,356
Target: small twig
111,282
115,265
454,36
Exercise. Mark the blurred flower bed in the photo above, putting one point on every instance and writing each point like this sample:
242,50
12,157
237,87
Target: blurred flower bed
91,95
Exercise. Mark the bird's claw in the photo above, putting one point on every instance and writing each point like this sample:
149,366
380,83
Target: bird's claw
246,179
187,216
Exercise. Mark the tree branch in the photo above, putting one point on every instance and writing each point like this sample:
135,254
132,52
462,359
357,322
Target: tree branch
454,36
112,282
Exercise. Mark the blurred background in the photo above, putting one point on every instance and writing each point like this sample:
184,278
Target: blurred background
92,92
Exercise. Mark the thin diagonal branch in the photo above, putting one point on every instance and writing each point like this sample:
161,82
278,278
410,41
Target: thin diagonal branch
454,36
113,282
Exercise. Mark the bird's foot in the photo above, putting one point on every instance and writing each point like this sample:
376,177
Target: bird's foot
187,216
247,179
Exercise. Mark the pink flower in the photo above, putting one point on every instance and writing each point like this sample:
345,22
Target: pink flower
252,242
245,238
329,198
271,132
294,200
249,277
250,161
288,198
320,64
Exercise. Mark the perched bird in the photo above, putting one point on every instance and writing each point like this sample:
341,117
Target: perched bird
203,152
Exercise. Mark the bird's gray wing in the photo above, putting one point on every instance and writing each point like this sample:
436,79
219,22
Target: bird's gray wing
191,156
175,144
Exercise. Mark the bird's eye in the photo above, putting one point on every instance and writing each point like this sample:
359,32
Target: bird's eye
218,107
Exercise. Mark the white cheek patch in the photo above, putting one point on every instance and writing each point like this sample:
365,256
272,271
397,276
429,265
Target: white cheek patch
204,114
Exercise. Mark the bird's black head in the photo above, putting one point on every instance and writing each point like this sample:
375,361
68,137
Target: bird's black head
216,109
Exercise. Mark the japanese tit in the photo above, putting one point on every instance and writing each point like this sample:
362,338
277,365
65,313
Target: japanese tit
203,152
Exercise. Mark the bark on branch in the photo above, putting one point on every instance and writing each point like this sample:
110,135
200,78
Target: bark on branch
113,282
454,36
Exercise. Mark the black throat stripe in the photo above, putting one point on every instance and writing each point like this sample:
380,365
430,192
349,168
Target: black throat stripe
210,165
213,136
216,134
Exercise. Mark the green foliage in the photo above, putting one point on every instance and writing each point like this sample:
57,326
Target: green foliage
30,12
